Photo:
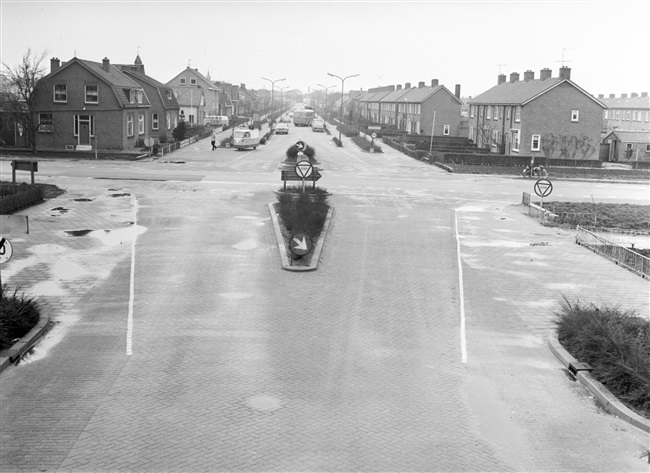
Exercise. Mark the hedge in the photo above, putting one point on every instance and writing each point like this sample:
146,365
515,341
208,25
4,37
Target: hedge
348,130
17,197
640,165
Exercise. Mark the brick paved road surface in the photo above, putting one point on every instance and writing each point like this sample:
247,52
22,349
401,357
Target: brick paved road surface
237,365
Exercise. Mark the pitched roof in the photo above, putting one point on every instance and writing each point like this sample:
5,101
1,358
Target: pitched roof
420,94
393,96
627,102
168,99
373,96
522,92
631,136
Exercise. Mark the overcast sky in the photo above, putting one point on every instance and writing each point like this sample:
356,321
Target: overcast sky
605,43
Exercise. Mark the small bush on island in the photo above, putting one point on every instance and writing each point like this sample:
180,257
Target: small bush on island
615,343
303,212
18,315
337,142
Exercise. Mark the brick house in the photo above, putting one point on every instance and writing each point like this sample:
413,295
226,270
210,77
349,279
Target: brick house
197,96
164,111
549,116
625,113
628,146
84,104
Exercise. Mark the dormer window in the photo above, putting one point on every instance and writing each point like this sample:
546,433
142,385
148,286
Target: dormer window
135,96
169,94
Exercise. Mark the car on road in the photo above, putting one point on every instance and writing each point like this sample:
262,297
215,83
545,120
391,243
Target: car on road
318,125
286,119
281,128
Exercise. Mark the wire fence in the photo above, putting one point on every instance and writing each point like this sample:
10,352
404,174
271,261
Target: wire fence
619,254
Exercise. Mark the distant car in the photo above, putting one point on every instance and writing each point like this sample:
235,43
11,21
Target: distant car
281,128
286,119
318,125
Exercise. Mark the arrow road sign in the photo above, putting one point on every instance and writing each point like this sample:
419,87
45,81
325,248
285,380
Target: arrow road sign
543,187
300,244
6,250
301,145
304,169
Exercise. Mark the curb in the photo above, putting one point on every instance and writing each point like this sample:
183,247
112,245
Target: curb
607,400
284,257
18,349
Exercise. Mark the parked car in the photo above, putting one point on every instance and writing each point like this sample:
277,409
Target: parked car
286,119
281,128
318,125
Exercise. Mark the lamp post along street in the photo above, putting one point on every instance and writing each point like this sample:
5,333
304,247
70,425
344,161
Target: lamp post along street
342,89
325,108
272,85
282,97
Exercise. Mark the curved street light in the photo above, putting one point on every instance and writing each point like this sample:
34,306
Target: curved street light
324,87
272,84
342,82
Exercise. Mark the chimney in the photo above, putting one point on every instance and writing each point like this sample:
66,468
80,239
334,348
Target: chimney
391,88
457,94
644,94
623,96
243,86
434,82
545,74
420,85
407,85
399,86
529,75
501,79
612,96
106,64
634,94
565,72
55,64
514,77
601,96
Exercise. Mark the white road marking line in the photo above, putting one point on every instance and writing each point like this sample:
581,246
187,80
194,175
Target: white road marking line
463,341
363,162
129,319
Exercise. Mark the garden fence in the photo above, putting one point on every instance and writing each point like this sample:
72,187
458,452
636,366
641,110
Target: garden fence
619,254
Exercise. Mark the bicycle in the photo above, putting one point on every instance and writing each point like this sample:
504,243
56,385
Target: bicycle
537,171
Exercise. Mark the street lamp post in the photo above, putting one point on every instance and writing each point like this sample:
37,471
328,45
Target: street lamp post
320,85
342,82
281,96
272,84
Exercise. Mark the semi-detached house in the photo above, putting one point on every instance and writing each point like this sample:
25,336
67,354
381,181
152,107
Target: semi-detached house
549,116
84,104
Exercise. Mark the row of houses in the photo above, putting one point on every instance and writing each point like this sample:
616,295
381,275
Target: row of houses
83,105
530,116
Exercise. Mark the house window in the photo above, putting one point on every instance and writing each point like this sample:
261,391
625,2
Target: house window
647,116
618,114
154,121
135,96
480,111
508,113
169,94
488,112
445,130
141,124
92,94
182,81
515,140
634,116
518,114
471,111
628,147
535,143
45,123
627,115
647,148
575,115
60,93
129,125
169,120
606,114
495,136
500,112
192,81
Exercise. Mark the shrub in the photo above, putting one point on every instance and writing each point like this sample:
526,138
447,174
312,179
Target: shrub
162,138
179,132
18,315
365,144
615,343
337,142
15,197
226,140
263,141
303,212
348,130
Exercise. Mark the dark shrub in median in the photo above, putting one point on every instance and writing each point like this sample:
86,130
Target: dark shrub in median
18,315
303,212
615,343
15,197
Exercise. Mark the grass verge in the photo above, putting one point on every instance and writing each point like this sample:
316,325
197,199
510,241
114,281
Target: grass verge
557,172
615,343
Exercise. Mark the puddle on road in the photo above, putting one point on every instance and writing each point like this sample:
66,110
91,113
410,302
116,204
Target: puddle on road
82,200
248,244
47,249
67,270
113,237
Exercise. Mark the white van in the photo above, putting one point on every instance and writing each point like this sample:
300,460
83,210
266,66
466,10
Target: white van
216,120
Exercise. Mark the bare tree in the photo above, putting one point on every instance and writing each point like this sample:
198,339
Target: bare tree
19,101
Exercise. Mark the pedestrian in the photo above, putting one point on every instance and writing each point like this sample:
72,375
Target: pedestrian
213,140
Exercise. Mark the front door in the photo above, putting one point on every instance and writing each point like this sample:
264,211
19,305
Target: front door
84,130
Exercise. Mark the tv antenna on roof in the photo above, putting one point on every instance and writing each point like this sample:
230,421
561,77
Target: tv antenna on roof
500,66
564,60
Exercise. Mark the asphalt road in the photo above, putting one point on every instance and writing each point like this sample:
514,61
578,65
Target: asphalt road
183,345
